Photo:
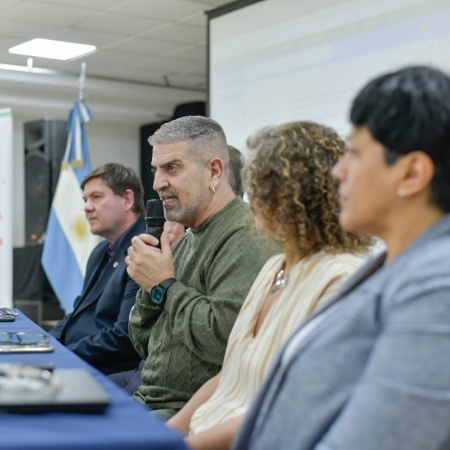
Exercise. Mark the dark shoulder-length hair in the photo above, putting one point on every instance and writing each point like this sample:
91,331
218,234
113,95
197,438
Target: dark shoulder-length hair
409,110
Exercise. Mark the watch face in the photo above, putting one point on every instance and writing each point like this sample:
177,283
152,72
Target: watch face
157,294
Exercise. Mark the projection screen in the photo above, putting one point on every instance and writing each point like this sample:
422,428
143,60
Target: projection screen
281,60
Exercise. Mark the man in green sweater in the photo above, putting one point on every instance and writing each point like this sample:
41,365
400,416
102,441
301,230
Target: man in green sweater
191,293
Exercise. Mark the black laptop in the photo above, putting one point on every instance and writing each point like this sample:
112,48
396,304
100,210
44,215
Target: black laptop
72,390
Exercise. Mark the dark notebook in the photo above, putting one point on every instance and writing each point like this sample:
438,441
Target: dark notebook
77,391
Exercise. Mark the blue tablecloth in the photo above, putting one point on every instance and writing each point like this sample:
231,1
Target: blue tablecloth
124,425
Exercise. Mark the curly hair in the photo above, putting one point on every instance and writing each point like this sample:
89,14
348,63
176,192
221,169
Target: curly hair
288,180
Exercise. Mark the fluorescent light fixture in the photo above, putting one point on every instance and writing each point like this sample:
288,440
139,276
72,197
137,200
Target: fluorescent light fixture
47,48
27,69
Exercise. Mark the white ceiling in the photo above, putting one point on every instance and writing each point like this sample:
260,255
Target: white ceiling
151,54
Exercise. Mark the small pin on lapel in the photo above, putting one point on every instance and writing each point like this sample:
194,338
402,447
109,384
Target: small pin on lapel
115,264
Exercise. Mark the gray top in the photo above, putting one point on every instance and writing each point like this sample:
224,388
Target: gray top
374,373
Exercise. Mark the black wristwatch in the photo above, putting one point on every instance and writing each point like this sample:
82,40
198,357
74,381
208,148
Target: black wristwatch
158,293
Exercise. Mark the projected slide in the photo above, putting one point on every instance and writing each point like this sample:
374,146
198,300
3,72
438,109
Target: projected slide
297,66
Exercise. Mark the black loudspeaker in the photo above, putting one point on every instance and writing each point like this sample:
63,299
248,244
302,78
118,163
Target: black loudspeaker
29,280
45,144
184,109
190,109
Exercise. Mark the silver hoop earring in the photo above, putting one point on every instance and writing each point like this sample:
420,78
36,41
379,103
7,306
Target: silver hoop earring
213,189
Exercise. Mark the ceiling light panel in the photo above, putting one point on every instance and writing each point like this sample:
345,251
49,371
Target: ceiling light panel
47,48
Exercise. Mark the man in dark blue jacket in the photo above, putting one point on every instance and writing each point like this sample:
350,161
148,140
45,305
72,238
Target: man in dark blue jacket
97,329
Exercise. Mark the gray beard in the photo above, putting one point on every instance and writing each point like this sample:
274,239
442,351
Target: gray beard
186,214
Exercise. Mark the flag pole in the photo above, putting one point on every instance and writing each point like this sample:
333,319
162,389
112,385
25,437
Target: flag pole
82,81
69,242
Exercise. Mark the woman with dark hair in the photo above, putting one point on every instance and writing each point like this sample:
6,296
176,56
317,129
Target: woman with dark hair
294,201
371,370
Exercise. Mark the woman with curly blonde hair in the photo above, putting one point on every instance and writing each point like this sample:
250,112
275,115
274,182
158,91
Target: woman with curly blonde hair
294,201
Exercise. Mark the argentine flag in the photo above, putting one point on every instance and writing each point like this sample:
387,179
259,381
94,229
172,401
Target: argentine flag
69,242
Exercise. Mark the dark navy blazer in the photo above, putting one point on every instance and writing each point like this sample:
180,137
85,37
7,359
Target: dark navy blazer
97,329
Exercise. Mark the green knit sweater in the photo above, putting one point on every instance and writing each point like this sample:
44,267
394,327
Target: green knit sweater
184,342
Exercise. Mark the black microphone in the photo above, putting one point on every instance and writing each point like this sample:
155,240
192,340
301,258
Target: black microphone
155,218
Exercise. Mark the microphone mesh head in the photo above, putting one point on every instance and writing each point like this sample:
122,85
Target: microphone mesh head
155,208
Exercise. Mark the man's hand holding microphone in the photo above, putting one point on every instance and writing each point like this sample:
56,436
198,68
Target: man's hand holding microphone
149,258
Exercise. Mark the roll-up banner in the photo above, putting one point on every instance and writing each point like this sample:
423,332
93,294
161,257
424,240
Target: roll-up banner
6,212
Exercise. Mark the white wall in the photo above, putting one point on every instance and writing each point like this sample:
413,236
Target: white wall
18,185
112,142
119,109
